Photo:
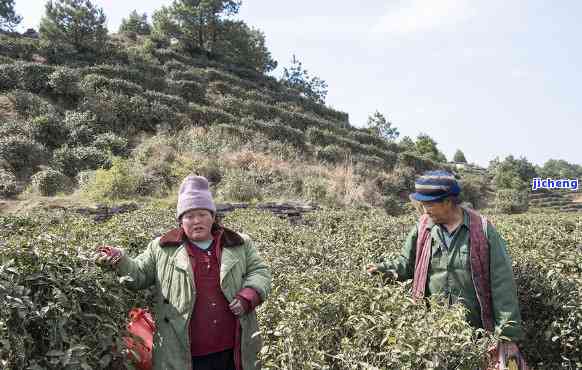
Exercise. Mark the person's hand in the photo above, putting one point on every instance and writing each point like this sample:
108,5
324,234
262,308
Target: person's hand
371,268
237,307
107,256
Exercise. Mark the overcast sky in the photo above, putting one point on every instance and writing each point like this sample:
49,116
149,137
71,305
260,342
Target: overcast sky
492,77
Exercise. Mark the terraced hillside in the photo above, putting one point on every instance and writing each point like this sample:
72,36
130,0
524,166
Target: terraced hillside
73,117
563,201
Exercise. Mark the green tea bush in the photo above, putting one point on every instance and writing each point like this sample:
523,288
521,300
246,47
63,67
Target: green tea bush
332,154
71,160
49,131
49,182
110,142
31,77
21,153
65,82
205,116
323,311
29,105
18,47
92,83
510,201
175,102
189,90
81,127
8,77
8,184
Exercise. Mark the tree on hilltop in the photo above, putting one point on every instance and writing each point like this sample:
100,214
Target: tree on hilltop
381,127
77,24
296,77
135,23
8,18
459,157
427,146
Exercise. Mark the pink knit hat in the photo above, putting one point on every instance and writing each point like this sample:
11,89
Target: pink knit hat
194,193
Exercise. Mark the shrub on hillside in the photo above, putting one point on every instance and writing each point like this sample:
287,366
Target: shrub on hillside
31,77
65,82
120,181
49,130
474,190
49,182
21,153
115,144
84,179
332,154
8,77
29,105
71,160
510,201
239,186
190,90
92,83
18,47
81,127
8,184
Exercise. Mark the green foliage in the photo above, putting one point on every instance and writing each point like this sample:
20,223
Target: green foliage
474,190
21,153
30,105
112,143
8,184
510,201
244,46
49,182
459,157
81,127
324,311
196,25
381,127
239,186
332,154
32,77
311,87
560,169
65,82
8,18
72,160
120,181
18,47
427,147
135,23
512,173
77,24
49,131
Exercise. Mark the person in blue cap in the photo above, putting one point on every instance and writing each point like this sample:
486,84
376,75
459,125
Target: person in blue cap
455,252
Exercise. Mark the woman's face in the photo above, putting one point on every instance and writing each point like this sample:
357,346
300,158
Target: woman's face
197,224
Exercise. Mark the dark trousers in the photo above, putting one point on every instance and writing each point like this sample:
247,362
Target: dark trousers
215,361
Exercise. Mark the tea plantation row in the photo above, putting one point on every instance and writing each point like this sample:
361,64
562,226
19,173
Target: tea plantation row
57,310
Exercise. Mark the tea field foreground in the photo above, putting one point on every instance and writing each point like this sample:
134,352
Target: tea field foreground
59,311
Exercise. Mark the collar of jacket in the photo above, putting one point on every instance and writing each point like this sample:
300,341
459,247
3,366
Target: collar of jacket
177,237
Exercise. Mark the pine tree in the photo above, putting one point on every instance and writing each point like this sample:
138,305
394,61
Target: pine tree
75,23
8,18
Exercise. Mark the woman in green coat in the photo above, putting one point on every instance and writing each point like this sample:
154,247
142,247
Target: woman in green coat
208,280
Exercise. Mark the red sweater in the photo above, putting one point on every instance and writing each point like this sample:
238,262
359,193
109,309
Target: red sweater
213,325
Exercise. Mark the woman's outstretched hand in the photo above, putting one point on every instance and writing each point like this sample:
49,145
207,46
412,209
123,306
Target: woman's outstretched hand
107,256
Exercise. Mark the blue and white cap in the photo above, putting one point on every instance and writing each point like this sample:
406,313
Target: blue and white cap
435,185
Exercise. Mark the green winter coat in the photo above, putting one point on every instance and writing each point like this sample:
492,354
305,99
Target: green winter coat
450,275
165,264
